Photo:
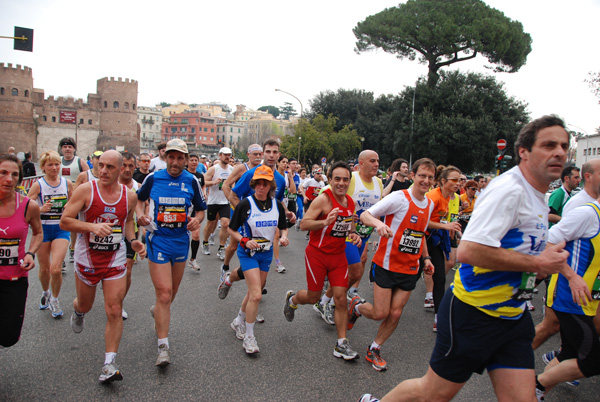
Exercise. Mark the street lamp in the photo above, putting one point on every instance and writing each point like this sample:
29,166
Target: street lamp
301,113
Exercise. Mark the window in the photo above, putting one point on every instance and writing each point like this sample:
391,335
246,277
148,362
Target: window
212,138
231,129
585,152
44,118
205,129
115,105
26,93
127,105
174,120
212,130
133,106
183,129
231,139
90,121
15,92
238,130
53,119
1,91
105,104
193,130
80,121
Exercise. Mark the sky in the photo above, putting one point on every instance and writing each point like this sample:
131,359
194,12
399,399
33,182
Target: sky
239,51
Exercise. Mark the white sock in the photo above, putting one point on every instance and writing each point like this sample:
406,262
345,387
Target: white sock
163,341
291,299
249,329
356,308
241,317
429,295
375,345
109,357
325,299
340,341
353,290
46,292
53,299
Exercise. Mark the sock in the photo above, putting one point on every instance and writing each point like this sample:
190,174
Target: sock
204,243
353,290
79,314
340,341
195,245
538,385
163,341
241,317
249,329
375,345
227,281
435,319
53,299
356,308
277,262
46,292
225,267
429,295
324,299
292,302
221,247
332,303
109,357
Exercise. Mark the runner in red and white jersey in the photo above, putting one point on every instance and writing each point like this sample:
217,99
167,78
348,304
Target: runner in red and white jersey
330,222
105,210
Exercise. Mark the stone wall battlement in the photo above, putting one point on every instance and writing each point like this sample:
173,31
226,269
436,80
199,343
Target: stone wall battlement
24,70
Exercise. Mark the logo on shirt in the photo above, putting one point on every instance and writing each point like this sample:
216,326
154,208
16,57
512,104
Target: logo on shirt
110,210
264,224
183,188
173,184
414,218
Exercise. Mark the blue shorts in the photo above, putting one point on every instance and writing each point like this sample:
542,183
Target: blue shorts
53,232
162,250
260,260
353,253
469,341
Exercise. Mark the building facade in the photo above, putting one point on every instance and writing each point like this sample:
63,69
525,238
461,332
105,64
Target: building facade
150,122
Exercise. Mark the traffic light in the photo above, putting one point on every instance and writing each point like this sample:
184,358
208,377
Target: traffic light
505,161
23,44
499,160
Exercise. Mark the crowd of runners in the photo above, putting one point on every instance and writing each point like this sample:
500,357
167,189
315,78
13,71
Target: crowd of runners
501,236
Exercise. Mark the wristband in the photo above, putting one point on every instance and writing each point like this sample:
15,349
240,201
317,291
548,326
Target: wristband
244,241
427,258
31,254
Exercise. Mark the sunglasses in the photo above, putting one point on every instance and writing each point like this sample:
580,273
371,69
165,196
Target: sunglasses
473,188
453,180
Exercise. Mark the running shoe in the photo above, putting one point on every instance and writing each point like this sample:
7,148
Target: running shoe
530,305
240,329
368,398
288,309
71,256
164,356
549,356
223,272
45,301
221,253
375,246
324,311
194,265
428,303
64,267
110,373
250,345
205,249
260,319
352,315
152,310
435,327
264,291
227,243
56,310
223,289
352,293
374,356
307,237
211,239
539,394
124,314
344,351
280,268
77,322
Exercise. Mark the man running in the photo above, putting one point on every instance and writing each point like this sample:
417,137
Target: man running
91,174
143,169
483,321
159,162
330,222
105,210
559,197
396,267
193,163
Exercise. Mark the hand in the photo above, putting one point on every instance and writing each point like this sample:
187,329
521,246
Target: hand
284,241
580,291
428,268
193,224
551,260
252,244
143,220
331,216
453,226
46,207
356,239
139,248
102,229
27,263
465,205
385,231
290,216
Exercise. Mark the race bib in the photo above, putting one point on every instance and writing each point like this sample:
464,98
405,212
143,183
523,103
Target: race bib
341,226
411,241
171,216
291,197
57,206
525,290
264,244
9,251
364,231
596,288
108,243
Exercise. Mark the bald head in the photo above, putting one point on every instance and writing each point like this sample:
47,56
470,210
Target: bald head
368,164
113,156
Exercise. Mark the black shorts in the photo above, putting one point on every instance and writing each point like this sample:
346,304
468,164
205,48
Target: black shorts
469,341
392,280
579,340
13,297
224,211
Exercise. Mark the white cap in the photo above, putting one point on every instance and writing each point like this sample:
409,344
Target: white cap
225,150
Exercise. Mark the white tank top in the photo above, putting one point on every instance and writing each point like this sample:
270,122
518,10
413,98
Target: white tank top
363,197
58,196
90,175
70,171
263,224
215,193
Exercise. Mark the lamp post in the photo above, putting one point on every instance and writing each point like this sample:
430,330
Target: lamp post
301,113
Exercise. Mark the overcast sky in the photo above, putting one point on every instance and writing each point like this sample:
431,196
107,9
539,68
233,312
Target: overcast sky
238,52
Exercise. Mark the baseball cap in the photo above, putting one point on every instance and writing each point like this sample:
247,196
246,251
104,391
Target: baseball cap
263,172
317,171
225,150
177,145
97,154
202,156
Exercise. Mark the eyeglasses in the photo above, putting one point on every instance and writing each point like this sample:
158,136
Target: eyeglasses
453,180
463,179
473,188
424,176
145,160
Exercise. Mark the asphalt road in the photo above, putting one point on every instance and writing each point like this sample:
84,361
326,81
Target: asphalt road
296,363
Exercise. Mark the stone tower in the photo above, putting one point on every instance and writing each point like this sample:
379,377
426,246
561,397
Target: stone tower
118,117
17,124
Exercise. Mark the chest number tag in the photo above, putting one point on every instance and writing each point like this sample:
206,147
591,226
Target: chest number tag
411,241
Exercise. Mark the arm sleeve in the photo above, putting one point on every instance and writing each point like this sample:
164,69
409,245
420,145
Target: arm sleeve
240,214
582,222
391,204
143,193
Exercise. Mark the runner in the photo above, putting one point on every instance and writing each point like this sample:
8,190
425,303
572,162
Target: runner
254,226
51,193
217,202
172,193
192,167
105,210
483,320
290,190
17,215
329,221
396,268
91,174
143,169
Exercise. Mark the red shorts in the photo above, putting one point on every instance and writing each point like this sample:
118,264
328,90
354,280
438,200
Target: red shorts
320,265
91,276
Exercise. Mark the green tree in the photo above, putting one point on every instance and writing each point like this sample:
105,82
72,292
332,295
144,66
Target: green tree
274,110
593,82
164,104
444,32
287,110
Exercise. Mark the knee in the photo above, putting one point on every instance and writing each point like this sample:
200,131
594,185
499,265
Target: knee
113,310
224,224
340,300
312,298
164,296
395,314
56,269
255,296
